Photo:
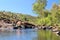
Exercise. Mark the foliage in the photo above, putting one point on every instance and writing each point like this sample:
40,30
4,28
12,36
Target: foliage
46,21
38,7
17,16
50,17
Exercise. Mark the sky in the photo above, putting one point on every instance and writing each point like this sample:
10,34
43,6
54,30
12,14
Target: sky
22,6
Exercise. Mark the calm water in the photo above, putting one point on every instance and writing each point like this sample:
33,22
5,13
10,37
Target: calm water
28,34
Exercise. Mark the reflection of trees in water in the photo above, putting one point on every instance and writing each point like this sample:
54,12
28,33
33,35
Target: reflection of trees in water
47,35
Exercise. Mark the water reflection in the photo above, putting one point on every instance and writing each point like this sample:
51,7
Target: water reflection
28,34
47,35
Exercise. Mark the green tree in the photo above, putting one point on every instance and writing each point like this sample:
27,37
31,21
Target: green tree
54,13
39,6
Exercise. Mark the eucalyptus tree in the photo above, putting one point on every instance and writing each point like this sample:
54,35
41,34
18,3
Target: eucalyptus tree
39,6
55,14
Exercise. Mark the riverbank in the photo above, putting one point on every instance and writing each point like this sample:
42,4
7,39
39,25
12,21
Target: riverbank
8,25
22,25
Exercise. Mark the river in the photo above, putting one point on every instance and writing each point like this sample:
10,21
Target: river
27,34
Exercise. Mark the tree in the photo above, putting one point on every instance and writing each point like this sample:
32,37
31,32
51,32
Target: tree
55,14
38,7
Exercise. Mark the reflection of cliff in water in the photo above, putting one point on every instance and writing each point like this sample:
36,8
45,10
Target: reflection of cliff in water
27,34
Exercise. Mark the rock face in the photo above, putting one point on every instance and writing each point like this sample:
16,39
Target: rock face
4,25
58,33
28,25
19,25
24,25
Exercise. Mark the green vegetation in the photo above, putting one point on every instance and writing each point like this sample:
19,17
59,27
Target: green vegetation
46,17
39,7
17,16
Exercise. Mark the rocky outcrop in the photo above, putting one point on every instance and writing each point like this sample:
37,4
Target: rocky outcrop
5,26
